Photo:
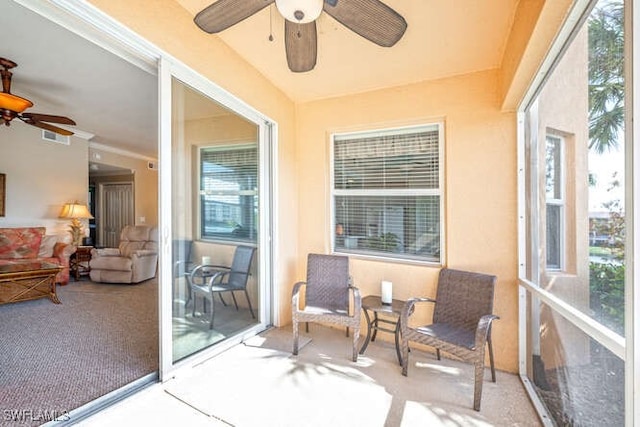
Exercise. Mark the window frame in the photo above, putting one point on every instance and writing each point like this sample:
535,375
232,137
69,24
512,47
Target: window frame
226,147
561,203
403,192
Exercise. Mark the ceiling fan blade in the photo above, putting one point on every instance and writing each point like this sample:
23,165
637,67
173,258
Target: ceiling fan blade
301,44
47,126
372,19
222,14
48,118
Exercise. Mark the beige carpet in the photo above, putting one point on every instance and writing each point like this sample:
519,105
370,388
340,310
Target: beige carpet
265,385
56,357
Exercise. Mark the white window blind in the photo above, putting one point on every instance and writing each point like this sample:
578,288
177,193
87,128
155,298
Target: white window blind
387,193
229,192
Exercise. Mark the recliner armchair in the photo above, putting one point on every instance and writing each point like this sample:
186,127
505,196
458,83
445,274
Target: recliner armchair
135,259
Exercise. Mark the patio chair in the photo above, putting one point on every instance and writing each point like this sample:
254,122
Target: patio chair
461,325
182,264
209,280
327,297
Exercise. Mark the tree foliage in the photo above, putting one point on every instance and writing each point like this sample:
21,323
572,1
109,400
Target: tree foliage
606,75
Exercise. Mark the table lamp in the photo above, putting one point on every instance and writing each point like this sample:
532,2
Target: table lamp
75,212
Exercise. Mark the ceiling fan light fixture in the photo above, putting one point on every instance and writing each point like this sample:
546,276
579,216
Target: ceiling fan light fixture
300,11
9,101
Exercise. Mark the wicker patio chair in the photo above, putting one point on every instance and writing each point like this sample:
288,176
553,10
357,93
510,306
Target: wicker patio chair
327,297
209,280
461,325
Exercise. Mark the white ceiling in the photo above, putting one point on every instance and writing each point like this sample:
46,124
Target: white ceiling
66,75
116,101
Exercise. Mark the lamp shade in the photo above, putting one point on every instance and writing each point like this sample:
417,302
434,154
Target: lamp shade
300,11
14,103
75,211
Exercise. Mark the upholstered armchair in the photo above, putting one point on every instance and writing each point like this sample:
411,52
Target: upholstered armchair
133,261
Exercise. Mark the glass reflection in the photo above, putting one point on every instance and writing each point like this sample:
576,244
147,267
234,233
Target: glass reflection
214,218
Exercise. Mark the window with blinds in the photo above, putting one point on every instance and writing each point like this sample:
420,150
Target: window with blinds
229,193
387,193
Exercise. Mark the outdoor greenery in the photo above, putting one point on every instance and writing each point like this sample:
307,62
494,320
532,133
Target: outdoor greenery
606,123
386,242
606,75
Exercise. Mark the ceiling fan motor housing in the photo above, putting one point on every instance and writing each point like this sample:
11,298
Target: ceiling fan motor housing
300,11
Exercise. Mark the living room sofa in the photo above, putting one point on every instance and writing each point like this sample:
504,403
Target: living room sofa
21,244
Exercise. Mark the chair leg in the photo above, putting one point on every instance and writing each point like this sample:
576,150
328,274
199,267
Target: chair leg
493,369
249,302
193,308
295,337
405,356
234,300
479,377
438,353
356,338
222,299
213,313
307,326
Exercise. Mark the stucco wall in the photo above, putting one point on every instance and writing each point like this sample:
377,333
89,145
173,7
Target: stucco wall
480,186
145,191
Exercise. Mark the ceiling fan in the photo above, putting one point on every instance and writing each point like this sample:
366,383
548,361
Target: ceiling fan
372,19
12,106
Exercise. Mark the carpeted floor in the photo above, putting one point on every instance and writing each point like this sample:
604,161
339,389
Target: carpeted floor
57,357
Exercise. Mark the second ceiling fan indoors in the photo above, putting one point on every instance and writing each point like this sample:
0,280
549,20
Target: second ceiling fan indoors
372,19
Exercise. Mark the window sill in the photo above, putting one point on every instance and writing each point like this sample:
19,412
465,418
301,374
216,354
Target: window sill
388,260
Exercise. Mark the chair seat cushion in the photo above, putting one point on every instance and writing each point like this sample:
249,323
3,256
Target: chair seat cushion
322,310
450,334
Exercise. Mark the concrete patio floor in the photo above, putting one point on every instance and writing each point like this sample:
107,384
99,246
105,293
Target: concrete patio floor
259,383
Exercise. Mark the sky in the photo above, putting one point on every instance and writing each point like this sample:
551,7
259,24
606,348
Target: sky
603,166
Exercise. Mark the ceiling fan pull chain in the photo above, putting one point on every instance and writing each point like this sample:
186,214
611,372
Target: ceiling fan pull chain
271,23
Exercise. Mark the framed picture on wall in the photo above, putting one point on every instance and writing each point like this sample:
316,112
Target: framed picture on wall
3,179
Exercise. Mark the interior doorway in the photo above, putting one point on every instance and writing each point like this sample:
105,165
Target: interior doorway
115,207
111,190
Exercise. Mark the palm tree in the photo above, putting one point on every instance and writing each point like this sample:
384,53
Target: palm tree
606,75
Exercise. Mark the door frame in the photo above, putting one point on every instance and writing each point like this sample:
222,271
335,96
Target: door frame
94,25
267,130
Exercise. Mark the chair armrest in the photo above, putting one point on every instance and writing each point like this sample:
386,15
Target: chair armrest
217,267
105,252
295,295
219,275
144,252
357,300
63,251
182,267
409,308
484,329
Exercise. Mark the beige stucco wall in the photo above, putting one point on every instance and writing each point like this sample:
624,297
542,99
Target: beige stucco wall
40,177
480,185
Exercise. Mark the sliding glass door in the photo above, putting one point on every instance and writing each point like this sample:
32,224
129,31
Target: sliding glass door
216,201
